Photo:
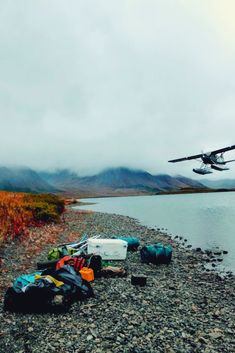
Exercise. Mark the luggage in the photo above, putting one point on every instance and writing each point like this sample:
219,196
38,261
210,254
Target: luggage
40,292
132,242
95,262
108,249
156,254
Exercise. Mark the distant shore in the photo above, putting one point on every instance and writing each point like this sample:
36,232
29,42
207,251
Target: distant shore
183,308
77,196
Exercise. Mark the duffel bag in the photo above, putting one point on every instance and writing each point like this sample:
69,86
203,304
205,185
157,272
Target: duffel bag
132,242
156,254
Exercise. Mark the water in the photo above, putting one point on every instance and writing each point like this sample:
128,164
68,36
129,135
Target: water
206,220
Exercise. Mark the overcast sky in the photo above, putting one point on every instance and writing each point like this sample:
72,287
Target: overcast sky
94,84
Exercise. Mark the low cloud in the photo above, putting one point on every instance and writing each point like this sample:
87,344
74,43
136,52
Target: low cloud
88,86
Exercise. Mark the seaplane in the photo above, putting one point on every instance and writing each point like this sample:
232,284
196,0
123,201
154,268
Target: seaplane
209,160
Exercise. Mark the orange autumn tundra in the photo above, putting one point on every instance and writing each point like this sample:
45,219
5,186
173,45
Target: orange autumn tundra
19,211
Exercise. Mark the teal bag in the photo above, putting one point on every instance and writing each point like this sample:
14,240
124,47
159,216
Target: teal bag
156,254
132,242
23,280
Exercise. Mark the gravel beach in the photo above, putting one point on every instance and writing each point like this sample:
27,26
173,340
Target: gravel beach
183,307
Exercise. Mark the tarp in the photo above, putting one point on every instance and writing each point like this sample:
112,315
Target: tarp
38,294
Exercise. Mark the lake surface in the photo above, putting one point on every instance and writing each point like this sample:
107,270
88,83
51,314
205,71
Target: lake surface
206,220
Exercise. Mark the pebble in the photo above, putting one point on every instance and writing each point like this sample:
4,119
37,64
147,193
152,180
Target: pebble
182,309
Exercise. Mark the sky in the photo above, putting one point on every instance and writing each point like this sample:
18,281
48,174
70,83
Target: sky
88,84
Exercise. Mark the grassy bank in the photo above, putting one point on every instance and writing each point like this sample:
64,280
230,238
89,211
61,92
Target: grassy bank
19,211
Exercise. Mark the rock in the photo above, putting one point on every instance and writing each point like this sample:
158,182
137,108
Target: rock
203,340
176,311
215,335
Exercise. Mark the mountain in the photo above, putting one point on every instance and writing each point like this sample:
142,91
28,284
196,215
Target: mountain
23,179
118,181
110,182
219,184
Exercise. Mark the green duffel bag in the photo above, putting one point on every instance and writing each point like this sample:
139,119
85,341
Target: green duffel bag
132,242
156,254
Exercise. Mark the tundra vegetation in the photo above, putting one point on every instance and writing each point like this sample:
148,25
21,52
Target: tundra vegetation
20,211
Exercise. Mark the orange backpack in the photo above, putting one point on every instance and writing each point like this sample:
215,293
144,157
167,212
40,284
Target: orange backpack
77,262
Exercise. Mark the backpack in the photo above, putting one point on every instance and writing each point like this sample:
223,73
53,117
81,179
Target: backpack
76,262
95,263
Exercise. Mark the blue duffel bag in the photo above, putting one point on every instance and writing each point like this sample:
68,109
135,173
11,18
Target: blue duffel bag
156,254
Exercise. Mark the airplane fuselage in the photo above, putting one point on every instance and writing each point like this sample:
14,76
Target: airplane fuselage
212,159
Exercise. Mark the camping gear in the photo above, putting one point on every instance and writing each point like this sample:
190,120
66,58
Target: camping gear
113,271
35,297
156,254
95,262
133,243
87,274
21,282
71,248
43,293
79,288
108,249
60,252
47,264
76,244
138,280
76,262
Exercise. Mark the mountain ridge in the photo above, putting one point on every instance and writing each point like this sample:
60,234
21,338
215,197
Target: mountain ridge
120,180
23,179
109,182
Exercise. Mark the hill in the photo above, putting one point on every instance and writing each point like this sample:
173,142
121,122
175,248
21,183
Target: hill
110,182
118,181
23,179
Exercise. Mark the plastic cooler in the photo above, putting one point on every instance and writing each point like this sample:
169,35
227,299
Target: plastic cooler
108,249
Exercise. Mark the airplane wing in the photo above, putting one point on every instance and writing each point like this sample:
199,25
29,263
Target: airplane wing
225,149
185,158
221,150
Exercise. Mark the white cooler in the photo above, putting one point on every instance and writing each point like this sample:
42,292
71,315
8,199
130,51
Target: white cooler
108,249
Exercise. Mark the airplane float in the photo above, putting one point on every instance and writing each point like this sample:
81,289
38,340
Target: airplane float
209,160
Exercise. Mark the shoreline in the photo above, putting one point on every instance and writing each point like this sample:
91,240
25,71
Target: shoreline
212,258
160,193
183,308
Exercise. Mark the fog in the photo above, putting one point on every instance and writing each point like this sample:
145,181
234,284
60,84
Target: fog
89,85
